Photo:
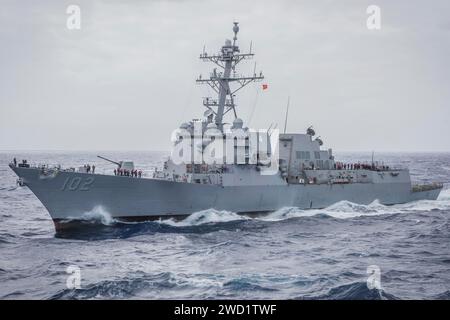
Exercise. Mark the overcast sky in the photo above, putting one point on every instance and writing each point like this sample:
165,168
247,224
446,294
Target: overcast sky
126,79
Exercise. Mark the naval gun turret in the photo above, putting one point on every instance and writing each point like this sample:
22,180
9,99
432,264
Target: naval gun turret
126,165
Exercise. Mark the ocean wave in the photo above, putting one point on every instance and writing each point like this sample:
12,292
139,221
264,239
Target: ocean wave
205,217
443,296
242,285
140,285
97,215
445,194
181,286
7,238
353,291
346,209
117,289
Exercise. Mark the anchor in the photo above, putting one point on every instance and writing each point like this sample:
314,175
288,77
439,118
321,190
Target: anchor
20,182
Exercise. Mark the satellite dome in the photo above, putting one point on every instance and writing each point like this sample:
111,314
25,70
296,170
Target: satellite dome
310,131
208,113
236,28
184,125
319,141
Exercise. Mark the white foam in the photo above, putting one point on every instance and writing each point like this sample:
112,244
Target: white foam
339,210
99,214
347,209
205,216
445,194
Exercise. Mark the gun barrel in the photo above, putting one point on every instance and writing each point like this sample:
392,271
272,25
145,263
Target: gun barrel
106,159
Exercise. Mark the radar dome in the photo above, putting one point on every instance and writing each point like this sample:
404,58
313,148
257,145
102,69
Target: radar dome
238,123
208,112
319,141
310,131
184,125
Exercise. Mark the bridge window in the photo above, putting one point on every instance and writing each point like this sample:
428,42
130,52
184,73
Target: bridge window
317,154
303,155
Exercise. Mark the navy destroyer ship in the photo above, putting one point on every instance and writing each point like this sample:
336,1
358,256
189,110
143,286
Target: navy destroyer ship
222,165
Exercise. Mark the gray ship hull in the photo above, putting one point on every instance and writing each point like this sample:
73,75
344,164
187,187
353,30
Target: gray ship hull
70,195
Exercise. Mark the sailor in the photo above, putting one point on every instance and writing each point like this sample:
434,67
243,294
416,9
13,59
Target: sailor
15,162
93,169
115,172
88,168
140,173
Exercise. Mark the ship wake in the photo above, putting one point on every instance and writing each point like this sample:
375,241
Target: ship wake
206,217
339,210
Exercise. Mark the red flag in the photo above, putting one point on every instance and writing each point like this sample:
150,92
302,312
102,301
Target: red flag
265,86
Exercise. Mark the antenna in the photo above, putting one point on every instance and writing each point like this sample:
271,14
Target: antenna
235,31
287,112
220,82
372,157
251,44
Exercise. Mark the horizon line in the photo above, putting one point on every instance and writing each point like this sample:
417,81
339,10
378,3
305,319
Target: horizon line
168,150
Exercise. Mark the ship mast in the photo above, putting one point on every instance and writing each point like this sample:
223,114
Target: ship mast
220,81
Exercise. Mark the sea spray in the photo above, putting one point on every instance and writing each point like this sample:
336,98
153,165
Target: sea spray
98,214
204,217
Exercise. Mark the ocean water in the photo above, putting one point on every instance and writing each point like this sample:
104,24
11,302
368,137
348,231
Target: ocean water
289,254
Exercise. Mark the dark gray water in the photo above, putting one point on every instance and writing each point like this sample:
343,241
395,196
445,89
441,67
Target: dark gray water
289,254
